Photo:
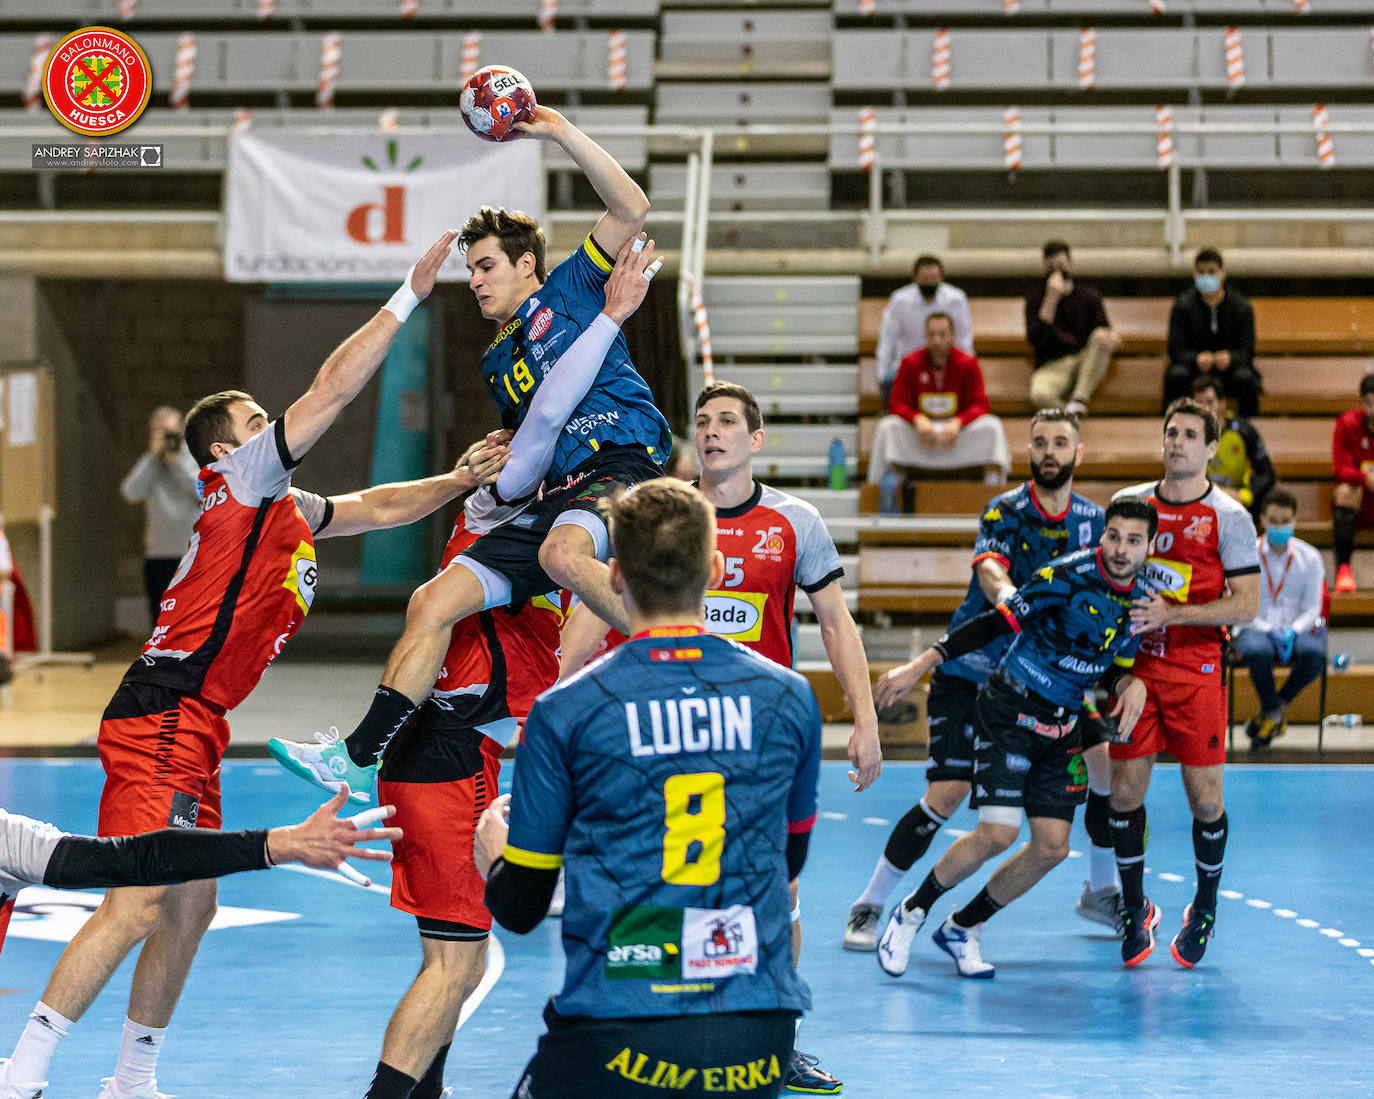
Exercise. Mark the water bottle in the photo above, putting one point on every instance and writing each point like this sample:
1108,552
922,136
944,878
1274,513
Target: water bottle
1343,721
1340,662
839,475
888,484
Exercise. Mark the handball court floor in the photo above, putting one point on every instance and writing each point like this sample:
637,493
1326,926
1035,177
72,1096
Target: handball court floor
293,987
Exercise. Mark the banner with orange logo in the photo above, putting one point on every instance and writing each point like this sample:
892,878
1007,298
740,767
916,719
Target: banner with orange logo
324,207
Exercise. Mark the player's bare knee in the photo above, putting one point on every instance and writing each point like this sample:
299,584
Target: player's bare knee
559,559
1207,810
191,907
137,911
946,797
430,610
993,839
1346,496
1049,852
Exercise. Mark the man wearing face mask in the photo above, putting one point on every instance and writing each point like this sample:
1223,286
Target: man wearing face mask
1289,626
903,327
1212,331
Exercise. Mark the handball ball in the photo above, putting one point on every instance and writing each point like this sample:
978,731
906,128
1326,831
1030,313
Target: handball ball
494,99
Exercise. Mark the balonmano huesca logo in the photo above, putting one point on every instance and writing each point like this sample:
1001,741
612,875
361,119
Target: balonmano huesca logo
97,81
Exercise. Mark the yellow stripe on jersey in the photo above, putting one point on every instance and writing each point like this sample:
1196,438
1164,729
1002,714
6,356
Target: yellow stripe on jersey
534,860
1125,661
597,256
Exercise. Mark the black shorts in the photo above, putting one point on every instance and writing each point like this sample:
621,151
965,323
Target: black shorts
949,713
1029,755
513,549
740,1052
1094,729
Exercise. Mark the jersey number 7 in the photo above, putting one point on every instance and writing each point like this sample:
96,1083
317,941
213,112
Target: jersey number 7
686,829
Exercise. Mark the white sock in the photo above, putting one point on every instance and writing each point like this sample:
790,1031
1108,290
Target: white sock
37,1044
137,1067
1101,867
885,879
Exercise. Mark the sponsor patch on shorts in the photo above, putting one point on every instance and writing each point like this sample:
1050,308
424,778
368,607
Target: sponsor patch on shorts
185,810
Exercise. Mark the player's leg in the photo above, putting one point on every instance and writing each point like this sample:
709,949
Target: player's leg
1101,898
573,556
1347,503
1130,835
803,1072
1203,787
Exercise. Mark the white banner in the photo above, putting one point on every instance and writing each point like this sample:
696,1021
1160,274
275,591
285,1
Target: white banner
312,207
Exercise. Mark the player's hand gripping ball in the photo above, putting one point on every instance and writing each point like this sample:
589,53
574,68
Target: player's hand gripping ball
494,99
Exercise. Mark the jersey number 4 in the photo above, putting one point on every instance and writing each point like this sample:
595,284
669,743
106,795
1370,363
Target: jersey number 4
694,828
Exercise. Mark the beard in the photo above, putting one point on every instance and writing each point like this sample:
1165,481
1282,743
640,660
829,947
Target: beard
1053,481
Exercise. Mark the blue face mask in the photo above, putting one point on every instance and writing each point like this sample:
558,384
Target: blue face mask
1207,284
1278,536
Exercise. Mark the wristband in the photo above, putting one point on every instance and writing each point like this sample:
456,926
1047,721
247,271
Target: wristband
404,301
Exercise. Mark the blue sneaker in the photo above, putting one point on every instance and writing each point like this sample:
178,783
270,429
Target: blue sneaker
962,944
1138,932
805,1076
1191,942
327,764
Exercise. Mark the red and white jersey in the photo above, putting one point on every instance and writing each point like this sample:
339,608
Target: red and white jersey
1200,545
498,661
246,581
773,544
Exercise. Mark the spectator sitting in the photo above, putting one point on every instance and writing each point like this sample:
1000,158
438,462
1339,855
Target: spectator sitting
1066,324
903,327
1212,334
1241,467
1352,500
940,417
1289,626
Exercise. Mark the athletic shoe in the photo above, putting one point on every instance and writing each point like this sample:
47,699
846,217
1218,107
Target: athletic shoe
325,763
1190,943
556,902
1138,931
861,932
804,1075
894,950
1268,729
962,944
1101,906
1345,581
110,1091
12,1089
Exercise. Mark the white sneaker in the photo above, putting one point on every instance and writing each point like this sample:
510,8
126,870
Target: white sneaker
325,763
1076,408
1101,906
556,903
894,949
12,1089
962,945
861,932
108,1090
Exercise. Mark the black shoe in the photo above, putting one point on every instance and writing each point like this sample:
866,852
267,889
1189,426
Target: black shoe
1190,943
805,1076
1138,932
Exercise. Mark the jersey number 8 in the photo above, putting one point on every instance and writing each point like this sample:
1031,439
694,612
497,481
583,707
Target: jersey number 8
686,828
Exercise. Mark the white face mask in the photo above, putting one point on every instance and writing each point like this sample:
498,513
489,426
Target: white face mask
1207,284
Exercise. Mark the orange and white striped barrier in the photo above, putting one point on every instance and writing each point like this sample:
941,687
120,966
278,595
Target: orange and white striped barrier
267,9
1235,59
388,120
331,47
548,11
128,9
939,60
1011,139
1164,140
243,118
615,60
409,8
33,86
1087,57
185,69
1302,7
708,362
868,125
472,54
1011,7
868,7
1326,151
1156,7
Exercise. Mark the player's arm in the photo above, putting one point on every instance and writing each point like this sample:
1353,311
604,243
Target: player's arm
174,855
993,578
973,634
627,206
803,800
1238,604
395,505
354,361
1130,693
582,633
845,650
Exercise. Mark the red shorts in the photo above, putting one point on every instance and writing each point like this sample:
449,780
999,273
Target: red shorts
161,752
1184,716
440,782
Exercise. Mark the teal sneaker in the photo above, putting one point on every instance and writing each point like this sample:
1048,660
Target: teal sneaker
326,763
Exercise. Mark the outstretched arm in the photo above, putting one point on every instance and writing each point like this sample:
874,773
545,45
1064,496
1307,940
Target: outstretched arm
627,206
354,361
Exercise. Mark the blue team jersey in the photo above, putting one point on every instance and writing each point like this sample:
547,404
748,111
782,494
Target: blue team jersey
666,777
1017,532
1071,621
618,409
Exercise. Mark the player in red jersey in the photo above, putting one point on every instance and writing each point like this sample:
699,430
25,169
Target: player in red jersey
773,544
242,589
1352,498
1205,573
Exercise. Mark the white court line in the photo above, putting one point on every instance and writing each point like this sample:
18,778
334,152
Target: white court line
1170,877
834,816
883,821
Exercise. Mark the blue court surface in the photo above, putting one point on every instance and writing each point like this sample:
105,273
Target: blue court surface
292,990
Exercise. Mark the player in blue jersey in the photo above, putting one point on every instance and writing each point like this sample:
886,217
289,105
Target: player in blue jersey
1072,627
1020,531
676,778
